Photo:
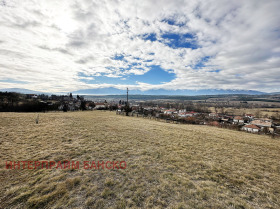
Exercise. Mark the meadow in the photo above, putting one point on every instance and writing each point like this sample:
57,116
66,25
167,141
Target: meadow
260,112
167,165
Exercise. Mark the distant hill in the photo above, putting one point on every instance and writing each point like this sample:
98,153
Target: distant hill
112,91
22,91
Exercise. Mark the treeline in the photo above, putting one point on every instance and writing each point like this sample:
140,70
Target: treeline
28,106
16,102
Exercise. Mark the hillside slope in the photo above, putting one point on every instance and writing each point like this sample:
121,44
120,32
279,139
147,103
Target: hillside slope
168,165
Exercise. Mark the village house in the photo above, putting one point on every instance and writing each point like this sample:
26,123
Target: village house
226,119
148,108
90,105
251,128
250,116
187,114
261,123
169,112
238,120
182,114
266,119
100,105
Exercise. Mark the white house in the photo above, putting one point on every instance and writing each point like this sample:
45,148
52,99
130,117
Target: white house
250,116
169,112
251,128
213,115
100,105
187,114
182,115
238,120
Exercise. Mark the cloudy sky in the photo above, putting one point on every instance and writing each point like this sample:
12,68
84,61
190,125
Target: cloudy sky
68,45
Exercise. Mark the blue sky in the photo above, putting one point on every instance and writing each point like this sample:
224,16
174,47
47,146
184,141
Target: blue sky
64,46
174,40
155,75
13,81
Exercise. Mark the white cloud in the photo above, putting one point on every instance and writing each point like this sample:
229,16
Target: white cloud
47,44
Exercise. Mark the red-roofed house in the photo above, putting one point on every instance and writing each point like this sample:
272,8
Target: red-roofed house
169,112
251,128
238,120
262,123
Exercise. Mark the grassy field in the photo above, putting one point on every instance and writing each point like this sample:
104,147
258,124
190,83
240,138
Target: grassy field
263,112
168,165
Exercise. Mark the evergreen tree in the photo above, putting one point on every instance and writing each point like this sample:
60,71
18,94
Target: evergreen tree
83,105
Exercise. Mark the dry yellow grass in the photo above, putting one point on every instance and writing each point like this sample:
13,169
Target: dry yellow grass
263,112
168,165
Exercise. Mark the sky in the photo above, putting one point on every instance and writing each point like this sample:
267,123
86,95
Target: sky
69,45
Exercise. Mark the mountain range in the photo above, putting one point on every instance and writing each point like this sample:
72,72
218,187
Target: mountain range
115,91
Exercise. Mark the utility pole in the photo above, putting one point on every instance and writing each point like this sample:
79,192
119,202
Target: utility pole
127,106
127,96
